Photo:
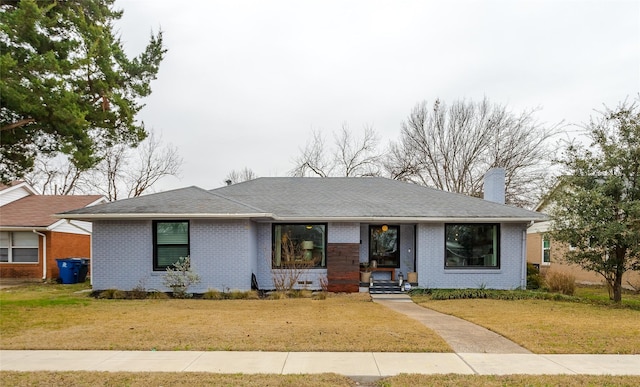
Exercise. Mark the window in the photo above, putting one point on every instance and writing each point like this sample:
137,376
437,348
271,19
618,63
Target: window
170,242
299,245
472,246
546,249
383,245
19,247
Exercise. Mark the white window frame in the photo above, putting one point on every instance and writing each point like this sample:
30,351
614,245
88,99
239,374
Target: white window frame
11,246
548,249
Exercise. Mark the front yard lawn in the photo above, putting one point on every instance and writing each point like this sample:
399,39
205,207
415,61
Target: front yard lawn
545,326
57,317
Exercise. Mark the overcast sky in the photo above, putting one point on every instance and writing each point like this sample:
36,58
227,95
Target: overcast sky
245,82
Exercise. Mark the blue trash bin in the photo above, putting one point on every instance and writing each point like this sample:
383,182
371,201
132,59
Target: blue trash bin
68,269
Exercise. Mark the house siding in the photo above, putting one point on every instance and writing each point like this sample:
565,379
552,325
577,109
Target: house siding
558,250
123,255
59,245
432,274
220,253
225,253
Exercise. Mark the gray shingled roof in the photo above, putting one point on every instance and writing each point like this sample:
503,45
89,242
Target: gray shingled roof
184,201
291,198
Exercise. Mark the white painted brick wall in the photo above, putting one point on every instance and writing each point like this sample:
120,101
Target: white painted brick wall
225,253
432,274
343,233
264,274
220,254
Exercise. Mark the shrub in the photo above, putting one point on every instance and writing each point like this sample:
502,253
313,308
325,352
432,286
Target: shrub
563,283
319,295
112,294
157,295
139,292
534,279
180,277
213,294
277,295
299,293
237,295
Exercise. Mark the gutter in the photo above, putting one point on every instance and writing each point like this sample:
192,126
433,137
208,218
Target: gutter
44,254
90,217
302,219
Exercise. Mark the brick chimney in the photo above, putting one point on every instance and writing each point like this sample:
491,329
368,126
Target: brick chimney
494,185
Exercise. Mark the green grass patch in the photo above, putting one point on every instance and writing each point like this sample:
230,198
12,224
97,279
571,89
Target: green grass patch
585,294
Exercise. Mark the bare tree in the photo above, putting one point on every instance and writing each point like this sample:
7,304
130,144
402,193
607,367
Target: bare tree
235,177
351,155
54,176
155,162
122,170
452,147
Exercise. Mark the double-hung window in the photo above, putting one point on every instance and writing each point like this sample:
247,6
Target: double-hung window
170,242
472,245
546,249
19,247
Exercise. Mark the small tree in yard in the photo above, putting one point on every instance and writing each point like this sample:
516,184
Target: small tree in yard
180,277
597,205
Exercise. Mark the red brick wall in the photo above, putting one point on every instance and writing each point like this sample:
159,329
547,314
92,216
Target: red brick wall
65,245
59,245
343,267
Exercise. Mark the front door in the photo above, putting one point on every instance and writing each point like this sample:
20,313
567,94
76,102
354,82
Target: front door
384,243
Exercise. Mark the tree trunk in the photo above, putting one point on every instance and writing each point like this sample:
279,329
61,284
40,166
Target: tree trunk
617,288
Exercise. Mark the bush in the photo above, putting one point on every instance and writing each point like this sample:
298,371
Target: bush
180,277
213,294
319,295
112,294
157,295
563,283
534,279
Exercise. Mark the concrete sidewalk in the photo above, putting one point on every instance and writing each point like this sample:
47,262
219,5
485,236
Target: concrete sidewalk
354,364
461,335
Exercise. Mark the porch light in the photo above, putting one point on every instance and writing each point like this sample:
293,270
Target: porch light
384,227
309,227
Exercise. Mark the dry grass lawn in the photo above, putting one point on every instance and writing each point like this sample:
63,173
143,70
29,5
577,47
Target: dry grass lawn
551,326
320,380
54,317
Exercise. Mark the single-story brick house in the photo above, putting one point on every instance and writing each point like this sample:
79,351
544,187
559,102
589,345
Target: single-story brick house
31,238
548,254
333,225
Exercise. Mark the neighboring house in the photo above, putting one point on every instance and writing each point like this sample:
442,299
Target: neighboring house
31,238
547,254
330,225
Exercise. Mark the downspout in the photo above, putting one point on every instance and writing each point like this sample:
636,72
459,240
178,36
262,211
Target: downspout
523,259
44,254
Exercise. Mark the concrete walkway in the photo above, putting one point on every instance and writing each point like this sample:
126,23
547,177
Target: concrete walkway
352,364
478,351
460,334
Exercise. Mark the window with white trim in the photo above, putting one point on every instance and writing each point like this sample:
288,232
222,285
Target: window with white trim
19,247
546,249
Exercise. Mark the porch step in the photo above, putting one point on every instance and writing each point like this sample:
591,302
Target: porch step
385,287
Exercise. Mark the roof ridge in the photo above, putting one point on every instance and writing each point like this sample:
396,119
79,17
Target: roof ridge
235,201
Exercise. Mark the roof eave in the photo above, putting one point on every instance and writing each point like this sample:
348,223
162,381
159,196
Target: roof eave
408,219
24,228
159,215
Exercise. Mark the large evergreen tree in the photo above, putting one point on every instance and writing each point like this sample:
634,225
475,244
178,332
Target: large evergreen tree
597,204
66,84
